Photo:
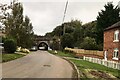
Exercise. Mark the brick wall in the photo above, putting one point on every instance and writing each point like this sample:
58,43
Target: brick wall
109,44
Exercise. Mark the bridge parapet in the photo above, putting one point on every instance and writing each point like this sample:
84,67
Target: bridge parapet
42,38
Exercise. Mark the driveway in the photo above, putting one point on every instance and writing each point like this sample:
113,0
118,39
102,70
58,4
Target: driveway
39,64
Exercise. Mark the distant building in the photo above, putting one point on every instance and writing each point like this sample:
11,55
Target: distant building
112,42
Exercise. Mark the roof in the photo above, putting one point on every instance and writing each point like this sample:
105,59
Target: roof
116,25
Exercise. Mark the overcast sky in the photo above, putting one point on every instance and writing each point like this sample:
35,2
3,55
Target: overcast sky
45,15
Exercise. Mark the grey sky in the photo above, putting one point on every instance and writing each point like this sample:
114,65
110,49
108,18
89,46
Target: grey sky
45,15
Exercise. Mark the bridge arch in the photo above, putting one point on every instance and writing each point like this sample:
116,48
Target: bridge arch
43,45
42,41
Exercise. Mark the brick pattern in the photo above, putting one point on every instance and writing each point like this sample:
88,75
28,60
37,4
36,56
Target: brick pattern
109,44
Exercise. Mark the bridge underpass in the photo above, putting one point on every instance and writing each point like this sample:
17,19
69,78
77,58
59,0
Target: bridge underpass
43,46
42,42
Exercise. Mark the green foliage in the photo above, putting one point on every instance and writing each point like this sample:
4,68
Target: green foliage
100,47
69,28
55,44
75,23
106,18
77,31
89,43
93,30
82,65
58,31
49,34
85,65
90,29
26,39
3,39
78,36
17,26
10,45
67,41
72,28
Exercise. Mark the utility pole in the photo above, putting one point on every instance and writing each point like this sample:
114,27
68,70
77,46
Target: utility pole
64,17
119,7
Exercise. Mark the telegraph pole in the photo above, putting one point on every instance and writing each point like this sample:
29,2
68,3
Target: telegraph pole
119,7
64,17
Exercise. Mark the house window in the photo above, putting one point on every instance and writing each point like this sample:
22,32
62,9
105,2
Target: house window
115,54
116,36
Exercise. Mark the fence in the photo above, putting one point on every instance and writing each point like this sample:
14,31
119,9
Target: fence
82,51
110,64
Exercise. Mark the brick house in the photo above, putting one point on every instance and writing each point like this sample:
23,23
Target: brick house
112,42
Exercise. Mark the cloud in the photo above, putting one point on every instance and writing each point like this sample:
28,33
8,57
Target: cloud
61,0
45,15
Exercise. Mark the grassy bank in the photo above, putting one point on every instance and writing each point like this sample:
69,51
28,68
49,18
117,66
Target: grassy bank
8,57
86,67
91,70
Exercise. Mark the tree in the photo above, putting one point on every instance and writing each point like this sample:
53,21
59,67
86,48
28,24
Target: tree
49,34
3,15
89,43
67,41
69,28
27,33
14,20
17,27
55,43
73,28
58,31
78,36
106,18
90,29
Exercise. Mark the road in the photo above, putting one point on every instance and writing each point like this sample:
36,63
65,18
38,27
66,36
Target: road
39,64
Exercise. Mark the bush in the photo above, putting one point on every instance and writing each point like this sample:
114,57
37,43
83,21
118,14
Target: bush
89,44
10,45
100,47
67,41
54,44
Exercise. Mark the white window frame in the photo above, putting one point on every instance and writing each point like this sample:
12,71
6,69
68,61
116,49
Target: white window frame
115,53
116,36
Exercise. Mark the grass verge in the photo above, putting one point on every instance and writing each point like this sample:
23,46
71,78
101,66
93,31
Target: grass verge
85,68
8,57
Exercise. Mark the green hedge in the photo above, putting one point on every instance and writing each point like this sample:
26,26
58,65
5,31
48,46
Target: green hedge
10,45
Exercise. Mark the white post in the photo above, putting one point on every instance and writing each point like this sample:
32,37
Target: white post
83,57
105,55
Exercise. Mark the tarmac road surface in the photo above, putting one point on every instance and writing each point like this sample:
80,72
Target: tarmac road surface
39,64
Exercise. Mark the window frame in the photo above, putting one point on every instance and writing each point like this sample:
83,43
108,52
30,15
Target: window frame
116,54
116,36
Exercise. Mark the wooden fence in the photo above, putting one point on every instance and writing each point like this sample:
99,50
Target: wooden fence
110,64
82,51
